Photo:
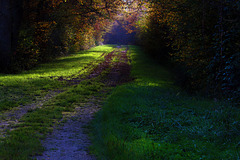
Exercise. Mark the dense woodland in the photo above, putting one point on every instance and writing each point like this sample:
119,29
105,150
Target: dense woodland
200,38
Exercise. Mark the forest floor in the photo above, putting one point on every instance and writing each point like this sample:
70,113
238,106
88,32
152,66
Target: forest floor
111,102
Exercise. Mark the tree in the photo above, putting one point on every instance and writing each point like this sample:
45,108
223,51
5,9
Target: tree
10,18
53,28
202,37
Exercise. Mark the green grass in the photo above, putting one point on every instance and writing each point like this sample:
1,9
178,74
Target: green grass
151,118
23,141
19,89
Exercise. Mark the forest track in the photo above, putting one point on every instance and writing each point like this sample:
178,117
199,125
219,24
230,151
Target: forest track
70,141
11,118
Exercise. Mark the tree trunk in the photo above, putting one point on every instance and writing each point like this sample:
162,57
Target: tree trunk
5,34
10,18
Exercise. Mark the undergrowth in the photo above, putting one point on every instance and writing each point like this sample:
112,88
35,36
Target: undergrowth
151,118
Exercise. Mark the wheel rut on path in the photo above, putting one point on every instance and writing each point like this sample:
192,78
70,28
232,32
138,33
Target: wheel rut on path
70,141
10,119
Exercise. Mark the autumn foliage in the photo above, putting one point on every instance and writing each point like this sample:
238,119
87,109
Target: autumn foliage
55,28
201,38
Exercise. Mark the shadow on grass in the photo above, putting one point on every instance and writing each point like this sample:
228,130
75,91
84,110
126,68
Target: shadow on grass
151,118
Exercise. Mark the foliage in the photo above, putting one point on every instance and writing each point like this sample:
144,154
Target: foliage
55,28
202,38
224,67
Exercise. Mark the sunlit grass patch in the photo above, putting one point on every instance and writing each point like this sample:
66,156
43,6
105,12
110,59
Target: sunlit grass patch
24,141
151,118
19,89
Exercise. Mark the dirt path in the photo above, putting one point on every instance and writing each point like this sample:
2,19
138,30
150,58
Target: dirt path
70,141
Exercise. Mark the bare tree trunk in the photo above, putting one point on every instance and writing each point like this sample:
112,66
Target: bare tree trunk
5,33
10,15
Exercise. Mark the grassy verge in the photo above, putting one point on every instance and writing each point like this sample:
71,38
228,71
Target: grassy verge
19,89
151,118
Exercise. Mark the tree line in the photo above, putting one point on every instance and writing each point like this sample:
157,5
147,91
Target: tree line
201,38
36,31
